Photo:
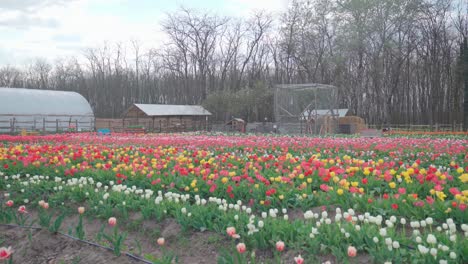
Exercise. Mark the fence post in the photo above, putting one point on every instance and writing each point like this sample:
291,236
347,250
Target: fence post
76,125
12,125
43,126
56,125
34,124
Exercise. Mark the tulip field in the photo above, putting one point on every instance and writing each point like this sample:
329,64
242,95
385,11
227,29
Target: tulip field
239,198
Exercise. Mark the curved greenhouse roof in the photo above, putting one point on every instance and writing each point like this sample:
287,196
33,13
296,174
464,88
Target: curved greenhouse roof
20,101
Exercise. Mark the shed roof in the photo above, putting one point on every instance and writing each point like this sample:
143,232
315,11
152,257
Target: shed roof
324,112
240,120
20,101
172,110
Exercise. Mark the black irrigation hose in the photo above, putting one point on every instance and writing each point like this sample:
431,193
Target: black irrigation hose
30,227
83,241
111,249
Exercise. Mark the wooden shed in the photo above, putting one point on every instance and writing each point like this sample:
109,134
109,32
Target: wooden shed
236,124
166,118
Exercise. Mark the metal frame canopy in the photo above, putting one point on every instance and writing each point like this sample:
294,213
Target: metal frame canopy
291,101
21,101
46,110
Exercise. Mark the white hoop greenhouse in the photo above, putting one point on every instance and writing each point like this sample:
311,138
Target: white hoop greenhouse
43,111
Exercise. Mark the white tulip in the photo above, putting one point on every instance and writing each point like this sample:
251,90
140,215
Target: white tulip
422,249
383,232
388,241
260,224
429,221
431,239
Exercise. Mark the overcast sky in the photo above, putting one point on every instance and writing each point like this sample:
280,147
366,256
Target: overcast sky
53,29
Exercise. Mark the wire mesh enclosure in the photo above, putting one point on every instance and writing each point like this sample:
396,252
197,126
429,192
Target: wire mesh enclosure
307,108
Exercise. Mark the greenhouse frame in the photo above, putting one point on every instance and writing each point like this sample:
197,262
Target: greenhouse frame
44,111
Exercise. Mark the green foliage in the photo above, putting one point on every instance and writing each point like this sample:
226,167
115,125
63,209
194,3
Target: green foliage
168,258
79,228
44,218
252,104
54,228
116,240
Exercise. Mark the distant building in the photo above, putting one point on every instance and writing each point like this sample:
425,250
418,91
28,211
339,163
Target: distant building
236,125
43,110
166,118
318,113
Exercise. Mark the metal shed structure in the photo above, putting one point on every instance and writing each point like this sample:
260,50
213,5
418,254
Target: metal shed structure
324,112
166,118
301,108
43,110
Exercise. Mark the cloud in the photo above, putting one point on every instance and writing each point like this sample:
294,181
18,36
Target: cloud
62,28
246,7
74,38
25,14
22,21
30,5
6,56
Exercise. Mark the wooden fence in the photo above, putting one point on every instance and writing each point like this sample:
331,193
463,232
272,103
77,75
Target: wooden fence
410,127
44,126
168,125
159,125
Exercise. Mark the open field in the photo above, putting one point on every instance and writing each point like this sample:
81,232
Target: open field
233,199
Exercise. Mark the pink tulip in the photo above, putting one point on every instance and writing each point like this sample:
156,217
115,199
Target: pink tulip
352,251
22,209
112,221
299,259
231,231
9,203
280,246
161,241
241,248
5,253
81,210
462,207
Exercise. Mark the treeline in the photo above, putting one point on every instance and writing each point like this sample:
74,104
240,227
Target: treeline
394,61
